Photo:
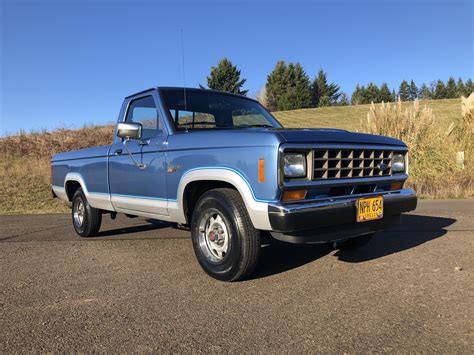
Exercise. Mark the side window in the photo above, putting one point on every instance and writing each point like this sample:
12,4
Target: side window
144,111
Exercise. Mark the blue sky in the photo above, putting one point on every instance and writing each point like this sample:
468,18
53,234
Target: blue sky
69,63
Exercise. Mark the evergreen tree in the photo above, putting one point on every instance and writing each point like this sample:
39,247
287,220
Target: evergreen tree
424,93
298,90
288,87
320,88
394,95
344,100
324,101
439,90
372,93
276,85
451,89
413,91
404,91
460,88
469,87
226,77
357,96
384,94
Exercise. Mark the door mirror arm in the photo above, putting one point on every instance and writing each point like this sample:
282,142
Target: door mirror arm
140,165
127,131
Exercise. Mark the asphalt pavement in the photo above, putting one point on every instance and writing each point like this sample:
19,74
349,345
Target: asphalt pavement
137,287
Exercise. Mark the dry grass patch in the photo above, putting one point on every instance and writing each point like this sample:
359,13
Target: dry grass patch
25,187
349,117
434,171
24,167
44,145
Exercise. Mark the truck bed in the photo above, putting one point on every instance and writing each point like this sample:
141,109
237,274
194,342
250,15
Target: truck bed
95,152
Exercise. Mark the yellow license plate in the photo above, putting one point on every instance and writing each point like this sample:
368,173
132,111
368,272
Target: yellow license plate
369,209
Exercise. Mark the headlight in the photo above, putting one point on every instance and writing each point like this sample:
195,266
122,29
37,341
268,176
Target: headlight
295,165
398,163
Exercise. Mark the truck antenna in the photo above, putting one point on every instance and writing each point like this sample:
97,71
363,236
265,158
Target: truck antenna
184,75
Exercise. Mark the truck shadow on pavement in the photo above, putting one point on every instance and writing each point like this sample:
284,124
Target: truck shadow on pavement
412,231
152,225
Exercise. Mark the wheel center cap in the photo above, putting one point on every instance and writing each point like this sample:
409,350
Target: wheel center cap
212,237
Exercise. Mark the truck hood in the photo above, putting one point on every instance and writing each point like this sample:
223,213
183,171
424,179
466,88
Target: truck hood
322,135
212,138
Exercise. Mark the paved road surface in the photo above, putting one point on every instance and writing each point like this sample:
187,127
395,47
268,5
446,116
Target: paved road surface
137,287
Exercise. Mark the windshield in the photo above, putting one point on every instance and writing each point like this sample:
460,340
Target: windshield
211,110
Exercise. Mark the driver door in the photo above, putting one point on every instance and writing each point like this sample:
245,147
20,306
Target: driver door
135,189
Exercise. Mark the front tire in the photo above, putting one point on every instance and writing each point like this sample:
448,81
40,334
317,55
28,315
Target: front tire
226,244
85,219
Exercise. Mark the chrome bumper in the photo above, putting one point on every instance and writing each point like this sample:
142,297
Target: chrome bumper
334,218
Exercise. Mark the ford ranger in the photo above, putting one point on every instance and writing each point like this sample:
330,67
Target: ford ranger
222,165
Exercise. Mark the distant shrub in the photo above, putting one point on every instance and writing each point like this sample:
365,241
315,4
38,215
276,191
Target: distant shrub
432,157
465,129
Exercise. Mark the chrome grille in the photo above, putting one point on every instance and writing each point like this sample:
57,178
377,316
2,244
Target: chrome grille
351,163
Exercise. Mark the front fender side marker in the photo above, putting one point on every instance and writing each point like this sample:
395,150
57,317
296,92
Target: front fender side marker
261,170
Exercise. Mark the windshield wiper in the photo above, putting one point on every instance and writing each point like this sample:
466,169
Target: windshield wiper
192,125
204,123
256,125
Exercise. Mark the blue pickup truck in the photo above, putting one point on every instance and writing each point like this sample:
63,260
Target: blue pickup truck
224,166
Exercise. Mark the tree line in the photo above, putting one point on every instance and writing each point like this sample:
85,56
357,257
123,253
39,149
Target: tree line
288,87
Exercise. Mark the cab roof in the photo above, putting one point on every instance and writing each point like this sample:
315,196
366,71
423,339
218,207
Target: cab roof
189,89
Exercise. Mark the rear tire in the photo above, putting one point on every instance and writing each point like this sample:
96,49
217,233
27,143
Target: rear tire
353,243
85,219
226,244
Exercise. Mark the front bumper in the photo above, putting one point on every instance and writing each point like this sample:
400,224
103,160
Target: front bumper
334,218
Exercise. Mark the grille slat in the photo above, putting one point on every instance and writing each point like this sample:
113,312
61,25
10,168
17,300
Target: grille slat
350,163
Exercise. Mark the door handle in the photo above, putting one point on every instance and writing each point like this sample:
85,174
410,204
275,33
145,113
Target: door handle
118,151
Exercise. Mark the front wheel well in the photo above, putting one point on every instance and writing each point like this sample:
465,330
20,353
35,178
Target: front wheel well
71,188
194,190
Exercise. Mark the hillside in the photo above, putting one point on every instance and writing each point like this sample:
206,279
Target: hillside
349,117
24,167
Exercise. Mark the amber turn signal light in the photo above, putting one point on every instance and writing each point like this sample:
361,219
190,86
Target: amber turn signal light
294,195
397,185
261,170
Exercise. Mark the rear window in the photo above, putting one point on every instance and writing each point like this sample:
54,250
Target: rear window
190,119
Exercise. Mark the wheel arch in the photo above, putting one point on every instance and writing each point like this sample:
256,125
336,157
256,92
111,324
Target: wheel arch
195,189
257,209
71,186
72,182
97,200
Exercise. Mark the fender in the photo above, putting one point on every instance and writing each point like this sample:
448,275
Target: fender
256,208
96,199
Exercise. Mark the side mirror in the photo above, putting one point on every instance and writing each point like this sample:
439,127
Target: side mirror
131,130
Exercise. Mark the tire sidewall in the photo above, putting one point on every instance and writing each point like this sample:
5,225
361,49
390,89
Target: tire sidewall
81,230
229,266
